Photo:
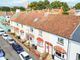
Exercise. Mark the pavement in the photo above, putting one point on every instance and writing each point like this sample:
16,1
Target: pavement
49,57
25,48
10,53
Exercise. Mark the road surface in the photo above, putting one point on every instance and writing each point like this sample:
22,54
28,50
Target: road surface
9,51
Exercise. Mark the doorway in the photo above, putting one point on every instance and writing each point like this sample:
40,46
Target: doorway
48,47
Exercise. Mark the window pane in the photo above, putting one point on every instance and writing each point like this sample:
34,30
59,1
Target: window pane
40,43
78,56
31,29
40,32
60,40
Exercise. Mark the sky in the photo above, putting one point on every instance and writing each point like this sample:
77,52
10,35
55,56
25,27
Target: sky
24,2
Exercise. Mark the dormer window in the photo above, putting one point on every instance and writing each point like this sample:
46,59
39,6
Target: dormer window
31,29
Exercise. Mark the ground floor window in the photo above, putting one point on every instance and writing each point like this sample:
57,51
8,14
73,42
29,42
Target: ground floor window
40,42
78,56
60,55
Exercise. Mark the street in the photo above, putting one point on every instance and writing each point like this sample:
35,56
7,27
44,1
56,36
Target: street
10,54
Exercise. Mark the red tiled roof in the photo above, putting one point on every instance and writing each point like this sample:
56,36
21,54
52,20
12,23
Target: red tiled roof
62,25
2,13
10,13
18,17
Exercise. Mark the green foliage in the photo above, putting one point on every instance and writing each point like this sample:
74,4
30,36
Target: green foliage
4,8
15,7
56,4
33,5
46,4
39,5
77,6
65,13
65,6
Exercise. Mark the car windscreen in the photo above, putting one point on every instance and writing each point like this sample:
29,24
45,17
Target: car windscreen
11,39
27,57
19,47
2,31
1,53
5,35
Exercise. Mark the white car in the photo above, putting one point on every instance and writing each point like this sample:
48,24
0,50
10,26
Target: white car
8,38
2,31
3,58
5,36
11,41
25,56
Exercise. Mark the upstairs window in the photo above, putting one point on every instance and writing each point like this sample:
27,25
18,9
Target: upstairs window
22,26
61,41
31,29
17,24
78,56
40,42
40,33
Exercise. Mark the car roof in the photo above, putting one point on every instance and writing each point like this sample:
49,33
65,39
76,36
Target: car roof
5,34
2,58
24,53
1,29
1,53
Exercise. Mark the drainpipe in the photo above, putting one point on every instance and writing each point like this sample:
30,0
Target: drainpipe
68,50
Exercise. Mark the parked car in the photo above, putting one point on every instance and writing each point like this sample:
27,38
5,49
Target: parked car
2,54
3,58
11,41
2,31
5,36
25,56
8,38
17,47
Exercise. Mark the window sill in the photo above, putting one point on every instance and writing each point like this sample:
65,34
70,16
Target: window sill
40,46
60,43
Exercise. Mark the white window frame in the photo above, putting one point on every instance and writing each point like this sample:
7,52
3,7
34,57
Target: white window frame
61,41
40,43
40,33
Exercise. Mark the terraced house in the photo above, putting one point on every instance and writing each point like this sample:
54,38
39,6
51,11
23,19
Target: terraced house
49,32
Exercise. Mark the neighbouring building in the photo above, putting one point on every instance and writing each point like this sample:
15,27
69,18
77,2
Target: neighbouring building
74,45
51,33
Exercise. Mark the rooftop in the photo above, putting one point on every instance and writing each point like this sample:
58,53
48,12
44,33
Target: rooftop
62,25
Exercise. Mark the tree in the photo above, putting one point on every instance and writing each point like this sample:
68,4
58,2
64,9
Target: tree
56,4
77,6
64,6
17,7
33,5
46,3
4,8
21,8
40,5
